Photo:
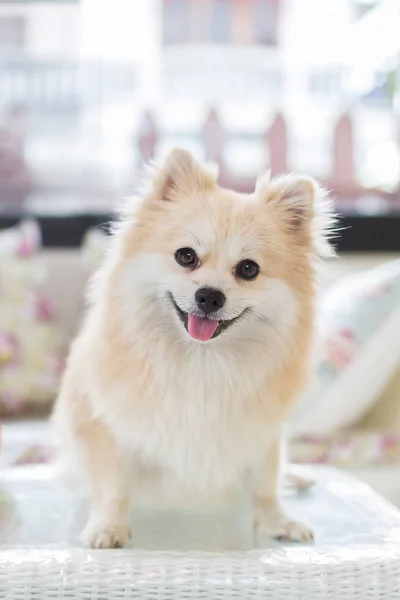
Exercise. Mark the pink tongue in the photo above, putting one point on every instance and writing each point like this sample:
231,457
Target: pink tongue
201,329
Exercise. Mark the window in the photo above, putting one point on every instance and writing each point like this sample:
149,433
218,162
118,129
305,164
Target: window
221,29
265,21
325,82
12,34
176,21
220,21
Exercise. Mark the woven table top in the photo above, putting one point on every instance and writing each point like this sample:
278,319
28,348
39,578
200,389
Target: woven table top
209,554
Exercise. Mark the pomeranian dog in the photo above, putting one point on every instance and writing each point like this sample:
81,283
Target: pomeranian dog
196,344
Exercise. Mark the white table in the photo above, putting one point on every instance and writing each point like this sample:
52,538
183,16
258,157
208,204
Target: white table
209,555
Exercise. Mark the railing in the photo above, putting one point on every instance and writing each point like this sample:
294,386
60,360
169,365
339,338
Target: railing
57,85
18,179
218,73
342,179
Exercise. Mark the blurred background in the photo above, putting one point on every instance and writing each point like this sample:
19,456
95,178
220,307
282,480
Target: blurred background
91,89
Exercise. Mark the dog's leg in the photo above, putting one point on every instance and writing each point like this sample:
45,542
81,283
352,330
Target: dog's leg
108,524
270,518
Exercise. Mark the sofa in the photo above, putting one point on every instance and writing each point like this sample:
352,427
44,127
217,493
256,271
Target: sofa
369,446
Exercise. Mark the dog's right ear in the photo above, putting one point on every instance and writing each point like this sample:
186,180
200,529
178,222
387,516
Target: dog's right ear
181,174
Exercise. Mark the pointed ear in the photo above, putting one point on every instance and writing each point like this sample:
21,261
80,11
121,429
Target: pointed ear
296,194
181,174
305,205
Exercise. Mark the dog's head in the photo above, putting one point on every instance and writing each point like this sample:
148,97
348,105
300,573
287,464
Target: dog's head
207,264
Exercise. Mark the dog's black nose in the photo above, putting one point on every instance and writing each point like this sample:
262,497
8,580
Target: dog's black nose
209,299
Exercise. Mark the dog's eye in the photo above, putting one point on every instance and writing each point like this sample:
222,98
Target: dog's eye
247,269
186,257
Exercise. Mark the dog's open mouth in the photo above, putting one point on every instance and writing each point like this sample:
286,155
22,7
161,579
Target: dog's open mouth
203,328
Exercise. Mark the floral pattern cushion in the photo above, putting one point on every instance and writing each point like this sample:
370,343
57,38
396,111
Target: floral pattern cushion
351,449
30,340
358,350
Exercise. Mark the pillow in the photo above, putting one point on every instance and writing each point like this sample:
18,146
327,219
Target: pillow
23,240
358,348
94,247
385,413
347,449
30,339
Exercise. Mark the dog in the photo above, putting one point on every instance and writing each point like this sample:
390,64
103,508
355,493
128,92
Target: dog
196,343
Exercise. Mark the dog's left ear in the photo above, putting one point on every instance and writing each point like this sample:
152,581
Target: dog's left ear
181,174
304,205
294,194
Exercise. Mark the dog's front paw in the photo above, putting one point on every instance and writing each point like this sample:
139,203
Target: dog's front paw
278,525
106,535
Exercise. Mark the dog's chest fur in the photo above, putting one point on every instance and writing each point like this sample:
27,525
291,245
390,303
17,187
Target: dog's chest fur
201,418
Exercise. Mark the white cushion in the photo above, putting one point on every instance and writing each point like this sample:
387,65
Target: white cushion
358,347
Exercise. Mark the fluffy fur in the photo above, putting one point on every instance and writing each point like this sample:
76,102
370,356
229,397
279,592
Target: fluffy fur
140,398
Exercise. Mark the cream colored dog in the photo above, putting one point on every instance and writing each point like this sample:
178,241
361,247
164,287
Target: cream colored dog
195,346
